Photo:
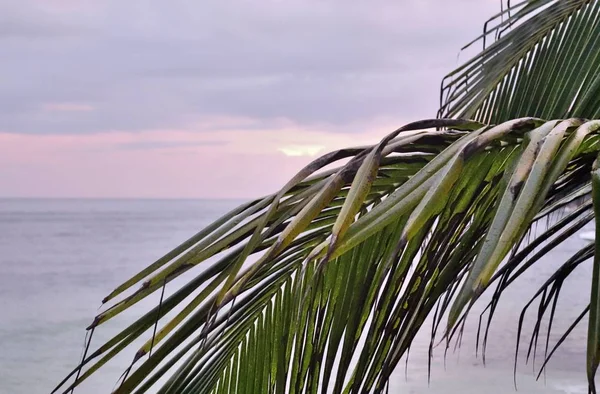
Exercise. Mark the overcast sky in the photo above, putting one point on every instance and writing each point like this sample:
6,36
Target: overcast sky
112,98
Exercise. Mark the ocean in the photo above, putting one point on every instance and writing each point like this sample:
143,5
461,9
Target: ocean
60,257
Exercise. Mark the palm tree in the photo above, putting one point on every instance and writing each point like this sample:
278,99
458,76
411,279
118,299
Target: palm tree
322,286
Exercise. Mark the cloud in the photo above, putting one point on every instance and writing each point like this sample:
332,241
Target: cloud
226,162
154,65
149,144
212,98
27,20
67,107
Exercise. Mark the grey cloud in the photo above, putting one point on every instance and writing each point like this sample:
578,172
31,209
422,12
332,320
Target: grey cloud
20,20
143,64
11,29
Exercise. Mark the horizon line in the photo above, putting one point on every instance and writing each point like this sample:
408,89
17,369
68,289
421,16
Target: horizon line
122,198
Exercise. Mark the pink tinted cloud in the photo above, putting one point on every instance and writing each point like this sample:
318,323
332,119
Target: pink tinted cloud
67,107
228,162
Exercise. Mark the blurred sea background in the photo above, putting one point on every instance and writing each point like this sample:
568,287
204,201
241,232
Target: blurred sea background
60,257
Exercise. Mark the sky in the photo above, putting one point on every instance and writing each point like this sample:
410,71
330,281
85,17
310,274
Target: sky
212,98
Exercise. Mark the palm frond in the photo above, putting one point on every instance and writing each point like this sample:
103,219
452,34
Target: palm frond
322,286
543,62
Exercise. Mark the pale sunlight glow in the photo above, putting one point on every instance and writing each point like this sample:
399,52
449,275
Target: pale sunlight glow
301,150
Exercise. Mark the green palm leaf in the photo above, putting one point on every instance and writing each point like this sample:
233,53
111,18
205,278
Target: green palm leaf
543,63
332,303
322,286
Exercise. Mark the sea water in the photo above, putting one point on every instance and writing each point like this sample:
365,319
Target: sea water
60,257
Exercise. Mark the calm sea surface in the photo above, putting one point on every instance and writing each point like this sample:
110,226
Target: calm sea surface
59,258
